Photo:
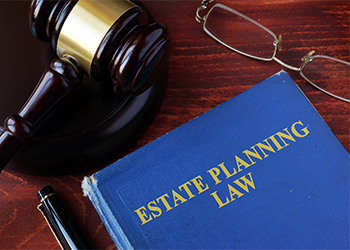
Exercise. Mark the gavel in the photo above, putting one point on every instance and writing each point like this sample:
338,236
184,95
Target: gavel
110,41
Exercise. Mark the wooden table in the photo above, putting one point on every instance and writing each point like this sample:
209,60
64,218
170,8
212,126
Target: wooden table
202,74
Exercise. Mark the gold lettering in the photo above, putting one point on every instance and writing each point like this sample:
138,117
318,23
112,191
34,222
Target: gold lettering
277,144
199,185
286,136
238,187
245,182
154,209
187,189
227,173
218,200
240,163
142,215
233,192
177,198
242,182
165,202
296,133
267,147
254,154
214,172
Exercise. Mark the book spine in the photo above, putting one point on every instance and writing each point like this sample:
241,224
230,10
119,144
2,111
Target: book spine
90,189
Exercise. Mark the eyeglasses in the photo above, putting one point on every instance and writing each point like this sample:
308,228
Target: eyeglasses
237,31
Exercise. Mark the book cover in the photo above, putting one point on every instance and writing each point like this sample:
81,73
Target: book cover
260,171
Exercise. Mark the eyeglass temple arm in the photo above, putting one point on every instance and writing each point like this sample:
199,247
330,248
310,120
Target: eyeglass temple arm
202,6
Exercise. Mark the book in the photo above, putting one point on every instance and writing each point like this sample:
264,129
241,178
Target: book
260,171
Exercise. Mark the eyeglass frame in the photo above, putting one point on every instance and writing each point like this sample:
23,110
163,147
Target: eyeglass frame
278,44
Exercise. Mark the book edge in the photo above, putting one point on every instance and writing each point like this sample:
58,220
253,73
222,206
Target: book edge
90,189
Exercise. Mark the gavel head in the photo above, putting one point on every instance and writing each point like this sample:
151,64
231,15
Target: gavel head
110,40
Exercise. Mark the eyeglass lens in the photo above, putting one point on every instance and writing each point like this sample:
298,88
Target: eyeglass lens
239,33
328,74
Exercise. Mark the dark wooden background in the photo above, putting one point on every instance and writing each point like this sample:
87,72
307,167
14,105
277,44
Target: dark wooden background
202,74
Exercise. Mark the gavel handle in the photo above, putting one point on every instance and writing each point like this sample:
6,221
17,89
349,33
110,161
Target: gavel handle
55,84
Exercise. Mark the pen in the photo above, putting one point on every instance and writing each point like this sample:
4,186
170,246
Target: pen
61,224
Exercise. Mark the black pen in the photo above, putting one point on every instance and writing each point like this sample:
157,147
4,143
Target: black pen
61,224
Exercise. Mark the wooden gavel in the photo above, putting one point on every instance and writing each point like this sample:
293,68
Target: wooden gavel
110,41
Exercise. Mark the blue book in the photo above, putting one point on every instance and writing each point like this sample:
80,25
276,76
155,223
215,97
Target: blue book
260,171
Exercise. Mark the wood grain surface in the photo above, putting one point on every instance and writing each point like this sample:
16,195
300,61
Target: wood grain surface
202,74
